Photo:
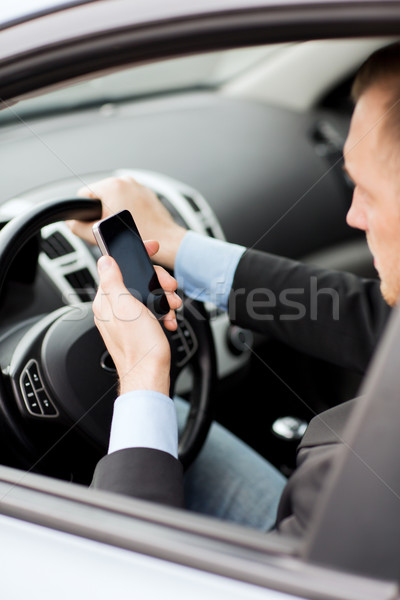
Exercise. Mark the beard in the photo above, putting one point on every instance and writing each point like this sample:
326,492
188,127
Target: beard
390,293
388,271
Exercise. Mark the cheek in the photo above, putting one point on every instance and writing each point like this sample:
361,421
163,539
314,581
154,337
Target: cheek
384,238
383,215
388,229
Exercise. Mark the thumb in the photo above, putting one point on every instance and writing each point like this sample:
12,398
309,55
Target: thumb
109,273
82,229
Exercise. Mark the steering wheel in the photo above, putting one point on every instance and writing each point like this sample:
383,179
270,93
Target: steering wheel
59,374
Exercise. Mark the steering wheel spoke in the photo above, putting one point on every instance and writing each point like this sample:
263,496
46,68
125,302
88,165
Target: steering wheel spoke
194,334
35,395
184,343
31,390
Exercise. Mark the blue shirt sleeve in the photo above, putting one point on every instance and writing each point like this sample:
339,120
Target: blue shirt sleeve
205,267
144,419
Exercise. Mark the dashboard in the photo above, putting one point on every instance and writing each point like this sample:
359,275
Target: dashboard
272,175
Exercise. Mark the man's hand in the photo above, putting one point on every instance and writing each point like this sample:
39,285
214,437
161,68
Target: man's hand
132,334
151,217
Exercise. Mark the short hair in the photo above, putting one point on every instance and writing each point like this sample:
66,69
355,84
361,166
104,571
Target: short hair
382,68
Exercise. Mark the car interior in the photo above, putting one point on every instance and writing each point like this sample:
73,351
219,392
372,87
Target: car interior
243,145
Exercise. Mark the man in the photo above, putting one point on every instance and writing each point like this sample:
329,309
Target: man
372,162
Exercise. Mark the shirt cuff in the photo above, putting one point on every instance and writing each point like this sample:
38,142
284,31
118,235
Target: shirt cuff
144,419
205,267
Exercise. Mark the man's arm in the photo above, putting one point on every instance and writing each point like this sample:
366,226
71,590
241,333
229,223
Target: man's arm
142,460
205,268
142,473
327,314
335,316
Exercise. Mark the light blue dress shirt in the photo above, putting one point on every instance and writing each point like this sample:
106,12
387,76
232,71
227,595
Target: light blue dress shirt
204,269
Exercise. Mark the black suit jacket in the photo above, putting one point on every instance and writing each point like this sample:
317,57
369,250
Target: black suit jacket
330,315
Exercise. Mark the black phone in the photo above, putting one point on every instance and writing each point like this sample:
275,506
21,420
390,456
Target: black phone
119,237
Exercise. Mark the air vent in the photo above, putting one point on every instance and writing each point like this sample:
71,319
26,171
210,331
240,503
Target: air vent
210,232
172,210
328,143
192,202
56,245
83,283
327,139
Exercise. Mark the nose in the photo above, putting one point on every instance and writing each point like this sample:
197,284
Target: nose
356,216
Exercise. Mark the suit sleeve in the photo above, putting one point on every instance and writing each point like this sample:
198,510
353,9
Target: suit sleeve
142,473
331,315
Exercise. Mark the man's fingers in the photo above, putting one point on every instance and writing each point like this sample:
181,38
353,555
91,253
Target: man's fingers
98,188
169,285
169,321
86,192
82,230
111,283
167,282
102,309
111,280
174,300
113,295
124,306
152,247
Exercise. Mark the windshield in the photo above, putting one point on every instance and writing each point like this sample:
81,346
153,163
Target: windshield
205,71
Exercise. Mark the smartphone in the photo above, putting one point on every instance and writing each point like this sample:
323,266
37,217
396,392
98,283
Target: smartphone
119,237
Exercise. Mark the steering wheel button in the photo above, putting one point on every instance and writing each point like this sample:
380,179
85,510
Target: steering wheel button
34,374
27,387
30,396
34,407
47,407
27,383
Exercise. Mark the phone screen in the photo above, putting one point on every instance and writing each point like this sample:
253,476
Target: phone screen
121,240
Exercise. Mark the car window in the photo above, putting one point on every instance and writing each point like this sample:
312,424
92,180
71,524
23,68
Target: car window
208,70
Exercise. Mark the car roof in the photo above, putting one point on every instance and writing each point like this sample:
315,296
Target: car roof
25,10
